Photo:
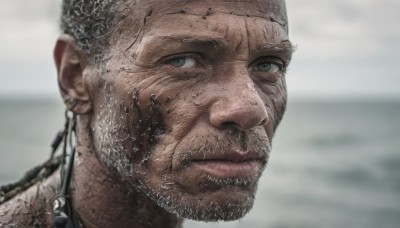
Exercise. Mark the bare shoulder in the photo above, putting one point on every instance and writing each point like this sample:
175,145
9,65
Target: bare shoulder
31,208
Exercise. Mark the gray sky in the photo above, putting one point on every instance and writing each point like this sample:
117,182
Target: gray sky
344,48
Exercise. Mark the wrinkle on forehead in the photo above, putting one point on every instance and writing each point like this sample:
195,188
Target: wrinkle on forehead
271,10
144,17
249,33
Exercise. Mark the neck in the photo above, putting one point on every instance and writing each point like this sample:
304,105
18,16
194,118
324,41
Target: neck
101,199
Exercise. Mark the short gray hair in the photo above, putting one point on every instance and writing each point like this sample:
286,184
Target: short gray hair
90,22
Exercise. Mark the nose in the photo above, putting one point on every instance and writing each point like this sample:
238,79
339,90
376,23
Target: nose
243,110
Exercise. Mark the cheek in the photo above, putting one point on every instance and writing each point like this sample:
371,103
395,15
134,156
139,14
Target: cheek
182,112
182,103
126,127
274,96
141,121
112,135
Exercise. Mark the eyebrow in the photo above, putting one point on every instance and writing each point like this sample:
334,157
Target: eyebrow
283,46
199,40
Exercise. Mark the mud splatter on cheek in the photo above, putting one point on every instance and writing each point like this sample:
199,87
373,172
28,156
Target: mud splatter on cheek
127,130
149,124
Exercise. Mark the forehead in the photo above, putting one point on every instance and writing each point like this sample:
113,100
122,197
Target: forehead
143,12
171,16
217,32
274,10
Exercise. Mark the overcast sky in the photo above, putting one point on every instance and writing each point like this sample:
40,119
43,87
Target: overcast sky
344,48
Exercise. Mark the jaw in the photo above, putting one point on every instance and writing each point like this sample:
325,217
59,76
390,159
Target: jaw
197,195
211,203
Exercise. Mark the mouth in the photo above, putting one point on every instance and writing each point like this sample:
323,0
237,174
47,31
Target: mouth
231,165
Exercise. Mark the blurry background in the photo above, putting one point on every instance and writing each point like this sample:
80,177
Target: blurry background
336,156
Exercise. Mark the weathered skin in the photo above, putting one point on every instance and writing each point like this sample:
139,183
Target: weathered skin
182,83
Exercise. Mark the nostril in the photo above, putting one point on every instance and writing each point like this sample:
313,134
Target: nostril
263,122
230,124
237,114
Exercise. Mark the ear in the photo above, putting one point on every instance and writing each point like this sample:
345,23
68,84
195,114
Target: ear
70,62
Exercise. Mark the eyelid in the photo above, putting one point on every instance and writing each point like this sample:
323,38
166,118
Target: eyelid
197,56
281,63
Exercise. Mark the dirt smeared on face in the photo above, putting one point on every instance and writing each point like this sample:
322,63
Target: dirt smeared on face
199,81
204,197
128,130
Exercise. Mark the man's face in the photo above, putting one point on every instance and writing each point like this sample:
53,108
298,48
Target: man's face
187,102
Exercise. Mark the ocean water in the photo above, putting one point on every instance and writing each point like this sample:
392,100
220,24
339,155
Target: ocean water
333,164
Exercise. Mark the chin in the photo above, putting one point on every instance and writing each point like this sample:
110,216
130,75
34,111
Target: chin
225,205
210,204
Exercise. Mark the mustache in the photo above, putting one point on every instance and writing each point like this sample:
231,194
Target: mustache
222,143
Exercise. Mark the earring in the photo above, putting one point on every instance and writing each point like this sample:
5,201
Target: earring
69,102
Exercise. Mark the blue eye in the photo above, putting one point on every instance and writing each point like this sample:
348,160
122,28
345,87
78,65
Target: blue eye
269,67
183,62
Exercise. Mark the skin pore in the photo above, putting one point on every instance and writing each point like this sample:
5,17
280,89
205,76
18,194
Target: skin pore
177,121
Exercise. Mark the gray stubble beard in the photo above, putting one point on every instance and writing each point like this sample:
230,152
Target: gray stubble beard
110,132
